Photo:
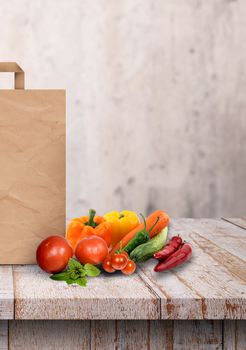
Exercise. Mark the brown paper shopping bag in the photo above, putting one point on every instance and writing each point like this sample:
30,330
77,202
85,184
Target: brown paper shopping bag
32,168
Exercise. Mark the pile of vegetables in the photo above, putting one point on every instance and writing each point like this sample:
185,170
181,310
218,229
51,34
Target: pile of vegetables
114,242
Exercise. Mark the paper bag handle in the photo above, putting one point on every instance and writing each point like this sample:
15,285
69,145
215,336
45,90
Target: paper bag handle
14,68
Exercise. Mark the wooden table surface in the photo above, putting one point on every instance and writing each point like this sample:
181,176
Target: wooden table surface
209,287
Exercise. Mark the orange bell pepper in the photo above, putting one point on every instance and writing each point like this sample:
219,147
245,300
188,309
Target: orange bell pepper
85,226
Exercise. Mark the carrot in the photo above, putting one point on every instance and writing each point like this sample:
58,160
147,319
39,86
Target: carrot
161,224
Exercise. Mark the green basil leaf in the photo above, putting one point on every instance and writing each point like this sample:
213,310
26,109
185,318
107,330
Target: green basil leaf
91,270
70,281
74,264
82,273
74,274
81,281
63,276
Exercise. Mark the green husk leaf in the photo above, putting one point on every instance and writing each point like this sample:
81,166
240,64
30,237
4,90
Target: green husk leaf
91,270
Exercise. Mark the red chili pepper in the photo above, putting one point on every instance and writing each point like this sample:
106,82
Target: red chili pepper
169,249
176,259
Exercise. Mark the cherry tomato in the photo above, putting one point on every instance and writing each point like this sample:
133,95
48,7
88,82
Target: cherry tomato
119,261
92,250
53,254
125,253
107,265
130,268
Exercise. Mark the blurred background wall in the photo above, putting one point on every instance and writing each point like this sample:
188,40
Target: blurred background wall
156,98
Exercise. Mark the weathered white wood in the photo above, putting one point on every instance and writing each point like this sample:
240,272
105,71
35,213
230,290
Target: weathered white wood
240,335
49,335
161,335
107,297
6,293
133,335
197,335
127,335
110,335
241,222
4,335
153,335
227,236
234,334
104,335
210,286
229,335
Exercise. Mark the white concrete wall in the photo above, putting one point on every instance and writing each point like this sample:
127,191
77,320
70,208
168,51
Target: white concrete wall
156,98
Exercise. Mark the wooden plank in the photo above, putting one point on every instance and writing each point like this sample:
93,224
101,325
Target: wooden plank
6,293
49,335
104,335
111,335
133,335
3,335
241,335
197,335
161,335
151,335
107,297
234,334
207,287
240,222
229,332
235,265
227,236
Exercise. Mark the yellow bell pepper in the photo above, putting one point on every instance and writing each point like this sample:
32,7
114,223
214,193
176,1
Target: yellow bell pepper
122,223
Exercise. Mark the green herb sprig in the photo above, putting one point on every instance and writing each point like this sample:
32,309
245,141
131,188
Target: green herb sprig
76,273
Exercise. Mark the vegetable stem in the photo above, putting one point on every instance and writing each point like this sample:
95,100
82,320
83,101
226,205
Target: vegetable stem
158,218
91,221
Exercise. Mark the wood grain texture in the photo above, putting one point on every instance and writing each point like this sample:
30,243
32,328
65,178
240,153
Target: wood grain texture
107,297
212,284
6,293
49,335
4,335
126,335
161,335
151,335
104,335
229,332
111,335
197,335
241,222
240,335
157,335
234,335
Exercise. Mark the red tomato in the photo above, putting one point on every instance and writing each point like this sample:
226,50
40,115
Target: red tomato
53,254
125,253
119,261
107,265
129,268
92,250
